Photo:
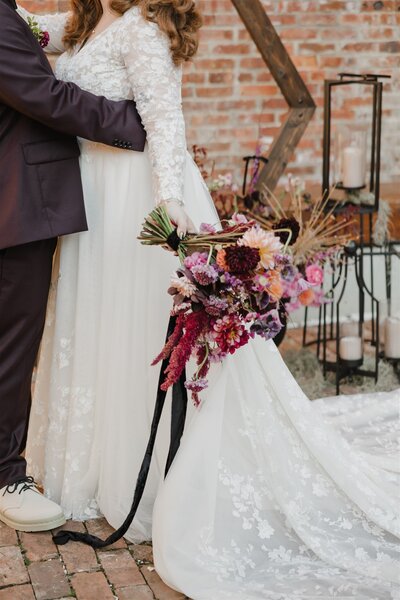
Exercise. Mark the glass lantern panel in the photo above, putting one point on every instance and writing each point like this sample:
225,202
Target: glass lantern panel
350,157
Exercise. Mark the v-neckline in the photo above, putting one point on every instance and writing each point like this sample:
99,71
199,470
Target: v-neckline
89,41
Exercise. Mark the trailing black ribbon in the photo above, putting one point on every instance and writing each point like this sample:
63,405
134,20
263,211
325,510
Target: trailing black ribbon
179,407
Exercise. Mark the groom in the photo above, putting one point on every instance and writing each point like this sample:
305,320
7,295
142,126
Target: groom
40,198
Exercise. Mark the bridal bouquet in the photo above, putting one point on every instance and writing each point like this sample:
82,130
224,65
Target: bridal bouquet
228,289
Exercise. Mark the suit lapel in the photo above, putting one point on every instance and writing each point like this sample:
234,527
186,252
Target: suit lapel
10,3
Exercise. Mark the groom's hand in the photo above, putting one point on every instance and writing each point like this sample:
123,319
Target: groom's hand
179,217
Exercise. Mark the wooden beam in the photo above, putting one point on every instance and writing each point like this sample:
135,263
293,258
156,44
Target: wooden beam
289,81
284,146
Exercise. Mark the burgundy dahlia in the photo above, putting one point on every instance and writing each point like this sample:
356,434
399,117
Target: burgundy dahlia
291,224
241,259
45,39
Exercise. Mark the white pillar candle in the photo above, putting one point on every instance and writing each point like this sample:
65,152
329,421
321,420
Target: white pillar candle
392,337
353,167
349,329
351,348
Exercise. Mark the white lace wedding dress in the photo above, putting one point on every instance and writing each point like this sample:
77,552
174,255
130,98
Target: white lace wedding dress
270,496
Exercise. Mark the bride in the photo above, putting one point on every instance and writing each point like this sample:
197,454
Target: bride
270,496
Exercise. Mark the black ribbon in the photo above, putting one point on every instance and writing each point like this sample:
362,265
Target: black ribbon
173,240
178,416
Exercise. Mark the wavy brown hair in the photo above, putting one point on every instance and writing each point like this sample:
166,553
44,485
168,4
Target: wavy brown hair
178,19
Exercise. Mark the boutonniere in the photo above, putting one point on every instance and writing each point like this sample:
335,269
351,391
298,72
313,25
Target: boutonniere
42,36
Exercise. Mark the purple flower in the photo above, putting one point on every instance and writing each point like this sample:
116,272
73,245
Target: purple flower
195,259
289,273
303,285
230,281
196,385
204,274
217,355
215,306
268,325
263,300
260,282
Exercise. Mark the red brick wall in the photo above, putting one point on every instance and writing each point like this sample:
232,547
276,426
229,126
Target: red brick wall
231,99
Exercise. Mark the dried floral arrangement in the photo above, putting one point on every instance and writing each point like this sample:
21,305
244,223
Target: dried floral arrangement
317,233
317,230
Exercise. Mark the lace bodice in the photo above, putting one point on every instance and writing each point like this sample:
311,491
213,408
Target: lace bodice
131,59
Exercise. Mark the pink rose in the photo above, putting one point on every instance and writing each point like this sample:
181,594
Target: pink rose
314,274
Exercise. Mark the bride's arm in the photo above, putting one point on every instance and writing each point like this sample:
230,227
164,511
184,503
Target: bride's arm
156,84
54,24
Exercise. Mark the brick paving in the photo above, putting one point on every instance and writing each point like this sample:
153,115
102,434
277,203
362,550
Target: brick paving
32,567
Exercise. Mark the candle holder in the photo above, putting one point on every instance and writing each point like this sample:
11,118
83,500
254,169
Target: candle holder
350,158
347,167
346,356
332,327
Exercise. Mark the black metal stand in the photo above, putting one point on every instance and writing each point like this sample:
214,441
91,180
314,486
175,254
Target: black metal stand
359,258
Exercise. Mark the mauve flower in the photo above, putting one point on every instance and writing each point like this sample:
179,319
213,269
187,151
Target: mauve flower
217,355
314,274
282,260
268,325
231,281
263,299
195,259
260,282
296,286
267,244
288,273
302,284
215,306
196,385
204,274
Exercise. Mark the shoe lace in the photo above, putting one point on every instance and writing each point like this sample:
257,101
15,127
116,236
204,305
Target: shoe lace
29,484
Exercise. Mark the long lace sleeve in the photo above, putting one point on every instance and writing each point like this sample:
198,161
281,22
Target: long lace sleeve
156,84
54,24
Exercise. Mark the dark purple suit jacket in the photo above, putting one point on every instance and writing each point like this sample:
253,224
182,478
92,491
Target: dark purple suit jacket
40,185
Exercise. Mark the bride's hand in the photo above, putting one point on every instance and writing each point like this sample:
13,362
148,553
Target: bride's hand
179,217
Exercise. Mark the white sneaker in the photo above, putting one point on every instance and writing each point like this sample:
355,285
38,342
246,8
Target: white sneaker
24,508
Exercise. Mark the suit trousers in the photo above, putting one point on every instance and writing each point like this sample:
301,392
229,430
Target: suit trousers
25,275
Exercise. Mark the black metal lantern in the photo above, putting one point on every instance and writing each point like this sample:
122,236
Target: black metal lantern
345,149
351,166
